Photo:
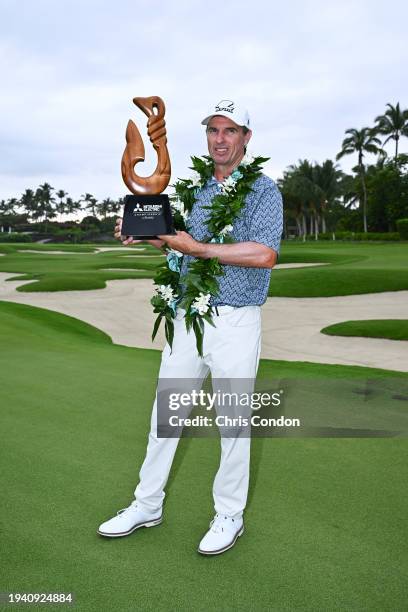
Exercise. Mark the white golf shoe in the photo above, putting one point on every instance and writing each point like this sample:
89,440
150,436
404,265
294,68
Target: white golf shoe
128,520
222,535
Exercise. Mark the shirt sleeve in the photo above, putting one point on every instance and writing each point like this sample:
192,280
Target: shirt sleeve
266,217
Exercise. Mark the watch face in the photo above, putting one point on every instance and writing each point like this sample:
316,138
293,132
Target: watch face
147,216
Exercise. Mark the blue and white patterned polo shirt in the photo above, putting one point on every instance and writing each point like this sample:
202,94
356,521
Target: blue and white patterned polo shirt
261,220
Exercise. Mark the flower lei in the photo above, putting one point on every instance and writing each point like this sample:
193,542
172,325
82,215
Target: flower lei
193,291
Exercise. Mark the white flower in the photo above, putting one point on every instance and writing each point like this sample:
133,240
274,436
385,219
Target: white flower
195,179
228,185
247,159
226,230
178,206
201,303
166,292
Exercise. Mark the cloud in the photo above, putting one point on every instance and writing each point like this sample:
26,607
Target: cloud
307,72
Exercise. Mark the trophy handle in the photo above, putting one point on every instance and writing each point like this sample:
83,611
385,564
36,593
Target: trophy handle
134,151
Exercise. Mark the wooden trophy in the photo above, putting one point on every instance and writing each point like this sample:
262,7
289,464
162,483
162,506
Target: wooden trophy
147,212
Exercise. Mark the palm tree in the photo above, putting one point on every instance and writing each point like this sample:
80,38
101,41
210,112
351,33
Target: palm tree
394,124
312,194
328,178
351,190
301,195
105,207
360,141
29,202
61,206
90,202
117,205
8,207
293,205
72,206
45,201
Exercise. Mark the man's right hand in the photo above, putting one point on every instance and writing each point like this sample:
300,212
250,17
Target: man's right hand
130,240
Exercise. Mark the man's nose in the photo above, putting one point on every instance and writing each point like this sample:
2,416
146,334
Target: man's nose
219,137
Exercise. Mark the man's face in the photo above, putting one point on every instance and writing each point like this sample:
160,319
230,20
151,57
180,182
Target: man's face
226,141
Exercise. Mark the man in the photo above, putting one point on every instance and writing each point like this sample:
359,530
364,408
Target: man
231,349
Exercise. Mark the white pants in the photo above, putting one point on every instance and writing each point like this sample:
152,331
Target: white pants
231,350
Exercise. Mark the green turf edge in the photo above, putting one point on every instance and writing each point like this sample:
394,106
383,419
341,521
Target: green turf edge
390,329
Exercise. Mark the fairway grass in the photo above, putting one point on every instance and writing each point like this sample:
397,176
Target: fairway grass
353,268
325,519
391,329
87,270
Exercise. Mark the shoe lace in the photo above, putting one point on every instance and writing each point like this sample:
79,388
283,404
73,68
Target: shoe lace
133,506
218,522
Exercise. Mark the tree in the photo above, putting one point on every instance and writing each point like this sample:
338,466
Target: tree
328,178
45,201
117,205
310,191
360,142
29,202
90,202
394,124
387,188
8,207
294,191
61,206
105,207
72,206
351,190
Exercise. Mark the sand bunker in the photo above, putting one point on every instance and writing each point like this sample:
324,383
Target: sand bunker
291,326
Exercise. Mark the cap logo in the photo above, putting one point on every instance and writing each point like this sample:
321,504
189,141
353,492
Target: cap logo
225,106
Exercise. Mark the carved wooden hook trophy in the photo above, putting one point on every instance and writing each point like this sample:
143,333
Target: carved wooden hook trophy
147,213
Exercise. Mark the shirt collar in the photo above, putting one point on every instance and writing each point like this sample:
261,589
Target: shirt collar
212,181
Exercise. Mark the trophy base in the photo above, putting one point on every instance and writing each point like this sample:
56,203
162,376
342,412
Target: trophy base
147,216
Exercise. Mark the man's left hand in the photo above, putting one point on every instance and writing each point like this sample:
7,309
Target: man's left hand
182,242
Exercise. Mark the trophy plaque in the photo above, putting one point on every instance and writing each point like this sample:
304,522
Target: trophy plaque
147,212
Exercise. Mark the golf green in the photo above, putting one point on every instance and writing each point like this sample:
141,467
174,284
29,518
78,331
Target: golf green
324,527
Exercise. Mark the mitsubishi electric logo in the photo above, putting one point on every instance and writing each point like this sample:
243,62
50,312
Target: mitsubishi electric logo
146,208
225,106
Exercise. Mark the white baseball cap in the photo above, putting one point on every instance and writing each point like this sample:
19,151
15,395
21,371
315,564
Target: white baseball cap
231,110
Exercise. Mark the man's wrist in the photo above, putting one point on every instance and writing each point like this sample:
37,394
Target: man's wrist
200,249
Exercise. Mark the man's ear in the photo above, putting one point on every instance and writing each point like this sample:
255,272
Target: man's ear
248,136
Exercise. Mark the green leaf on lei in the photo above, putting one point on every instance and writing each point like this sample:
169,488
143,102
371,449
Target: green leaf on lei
201,276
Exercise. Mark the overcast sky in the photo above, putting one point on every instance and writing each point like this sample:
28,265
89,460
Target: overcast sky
306,70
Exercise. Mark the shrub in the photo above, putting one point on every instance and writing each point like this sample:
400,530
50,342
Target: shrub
354,236
358,236
387,236
402,227
90,222
15,237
